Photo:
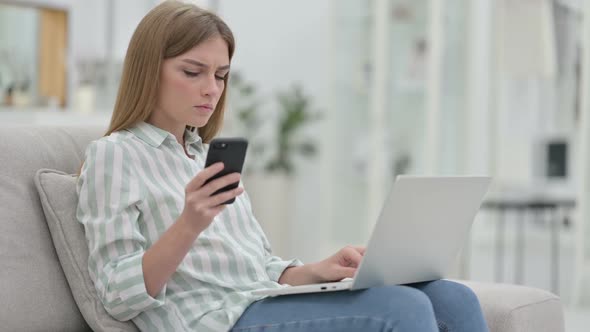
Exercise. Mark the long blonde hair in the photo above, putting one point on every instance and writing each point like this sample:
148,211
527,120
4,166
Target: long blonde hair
168,30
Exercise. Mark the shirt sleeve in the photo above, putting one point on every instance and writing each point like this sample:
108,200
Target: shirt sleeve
275,266
109,196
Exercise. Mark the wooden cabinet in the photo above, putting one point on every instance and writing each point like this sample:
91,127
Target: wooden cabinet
53,33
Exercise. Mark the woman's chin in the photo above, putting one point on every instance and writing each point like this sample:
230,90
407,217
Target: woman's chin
198,123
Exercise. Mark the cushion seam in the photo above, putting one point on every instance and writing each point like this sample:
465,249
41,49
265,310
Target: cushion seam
534,303
512,311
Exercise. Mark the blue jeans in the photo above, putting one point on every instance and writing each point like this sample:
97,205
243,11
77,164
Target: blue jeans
430,306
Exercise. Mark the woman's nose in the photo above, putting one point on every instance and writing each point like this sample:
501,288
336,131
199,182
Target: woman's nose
210,87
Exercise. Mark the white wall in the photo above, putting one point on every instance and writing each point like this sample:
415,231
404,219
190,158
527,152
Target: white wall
280,42
477,158
87,29
127,15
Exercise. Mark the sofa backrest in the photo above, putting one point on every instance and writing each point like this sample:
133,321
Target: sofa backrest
34,294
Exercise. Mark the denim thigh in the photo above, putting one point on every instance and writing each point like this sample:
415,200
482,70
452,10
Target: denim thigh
390,308
455,305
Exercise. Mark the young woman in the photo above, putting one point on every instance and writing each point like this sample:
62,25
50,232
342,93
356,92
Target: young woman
164,252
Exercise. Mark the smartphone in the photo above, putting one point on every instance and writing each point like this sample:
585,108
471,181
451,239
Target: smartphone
232,153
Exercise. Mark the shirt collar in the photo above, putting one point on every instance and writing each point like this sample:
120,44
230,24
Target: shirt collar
150,134
155,136
192,138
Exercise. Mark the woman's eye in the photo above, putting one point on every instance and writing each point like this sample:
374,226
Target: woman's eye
219,78
190,73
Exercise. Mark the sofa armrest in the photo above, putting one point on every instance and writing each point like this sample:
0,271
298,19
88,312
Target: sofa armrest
512,308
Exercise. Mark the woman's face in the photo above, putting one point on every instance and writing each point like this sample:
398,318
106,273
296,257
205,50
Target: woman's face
191,85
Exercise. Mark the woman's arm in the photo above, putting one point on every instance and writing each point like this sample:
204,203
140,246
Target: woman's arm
341,265
161,260
300,275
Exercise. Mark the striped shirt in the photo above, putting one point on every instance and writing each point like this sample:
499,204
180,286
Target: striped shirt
131,190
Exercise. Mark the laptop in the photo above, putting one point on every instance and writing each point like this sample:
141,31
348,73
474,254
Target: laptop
422,227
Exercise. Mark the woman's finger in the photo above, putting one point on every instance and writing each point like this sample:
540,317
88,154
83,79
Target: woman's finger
224,181
225,196
352,257
361,250
199,180
217,210
345,272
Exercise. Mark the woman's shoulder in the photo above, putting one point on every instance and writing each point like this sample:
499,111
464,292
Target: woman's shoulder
110,150
117,138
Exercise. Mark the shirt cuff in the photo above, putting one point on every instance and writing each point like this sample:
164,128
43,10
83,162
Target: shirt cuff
275,269
130,285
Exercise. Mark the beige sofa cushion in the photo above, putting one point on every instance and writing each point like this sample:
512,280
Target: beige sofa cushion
57,191
514,308
34,293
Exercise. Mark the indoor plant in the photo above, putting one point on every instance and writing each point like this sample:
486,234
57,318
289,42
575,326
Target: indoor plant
276,141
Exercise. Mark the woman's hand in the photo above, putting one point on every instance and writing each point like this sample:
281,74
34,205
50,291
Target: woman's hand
342,264
200,207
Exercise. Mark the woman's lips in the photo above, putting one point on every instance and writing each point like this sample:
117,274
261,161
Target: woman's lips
204,108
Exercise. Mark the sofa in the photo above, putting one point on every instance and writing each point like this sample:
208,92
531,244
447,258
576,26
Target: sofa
40,289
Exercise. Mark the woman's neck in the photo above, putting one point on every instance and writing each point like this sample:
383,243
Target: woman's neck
174,128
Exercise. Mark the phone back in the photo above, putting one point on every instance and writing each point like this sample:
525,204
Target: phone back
232,153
